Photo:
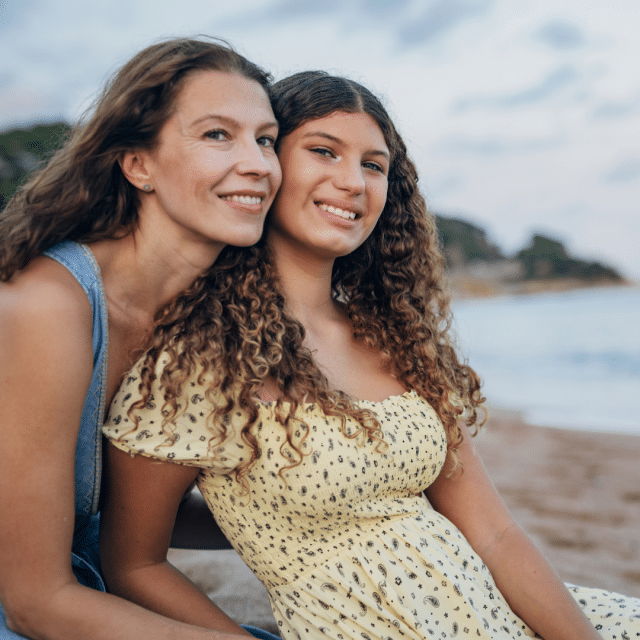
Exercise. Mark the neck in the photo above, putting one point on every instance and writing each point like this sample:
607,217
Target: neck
305,280
141,272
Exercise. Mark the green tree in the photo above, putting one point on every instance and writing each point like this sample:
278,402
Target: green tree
22,150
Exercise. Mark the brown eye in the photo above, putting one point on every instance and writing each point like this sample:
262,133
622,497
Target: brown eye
321,151
374,166
267,141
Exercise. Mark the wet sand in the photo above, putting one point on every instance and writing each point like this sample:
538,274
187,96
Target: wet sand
577,494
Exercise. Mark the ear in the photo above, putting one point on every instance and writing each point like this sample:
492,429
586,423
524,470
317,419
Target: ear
135,167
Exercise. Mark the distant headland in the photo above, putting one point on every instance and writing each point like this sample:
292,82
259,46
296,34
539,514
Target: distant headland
478,267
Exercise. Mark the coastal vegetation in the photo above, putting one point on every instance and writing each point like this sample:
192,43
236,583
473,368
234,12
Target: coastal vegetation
22,150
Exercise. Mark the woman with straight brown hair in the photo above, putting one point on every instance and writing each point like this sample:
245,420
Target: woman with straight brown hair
175,161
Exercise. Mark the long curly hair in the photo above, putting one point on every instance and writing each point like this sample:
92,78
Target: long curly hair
232,323
81,193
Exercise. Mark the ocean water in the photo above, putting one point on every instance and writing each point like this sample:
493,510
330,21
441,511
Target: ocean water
568,359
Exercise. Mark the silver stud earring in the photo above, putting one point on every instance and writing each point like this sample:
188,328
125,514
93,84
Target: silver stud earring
147,187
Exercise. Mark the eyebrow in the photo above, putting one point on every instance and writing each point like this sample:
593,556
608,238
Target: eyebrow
231,121
328,136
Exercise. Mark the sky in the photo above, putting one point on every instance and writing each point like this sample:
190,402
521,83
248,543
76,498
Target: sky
523,117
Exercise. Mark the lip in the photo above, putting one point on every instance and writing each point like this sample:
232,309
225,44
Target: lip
345,205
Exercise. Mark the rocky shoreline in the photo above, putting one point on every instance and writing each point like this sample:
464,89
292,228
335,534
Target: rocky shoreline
466,284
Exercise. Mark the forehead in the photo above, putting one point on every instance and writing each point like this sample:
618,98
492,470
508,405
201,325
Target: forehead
220,92
353,128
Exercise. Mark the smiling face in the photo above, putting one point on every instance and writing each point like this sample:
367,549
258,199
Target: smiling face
214,171
334,185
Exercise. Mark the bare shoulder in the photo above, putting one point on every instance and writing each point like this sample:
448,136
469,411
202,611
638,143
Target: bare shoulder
42,285
45,320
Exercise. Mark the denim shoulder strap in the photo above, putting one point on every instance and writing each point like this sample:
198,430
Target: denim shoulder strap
82,264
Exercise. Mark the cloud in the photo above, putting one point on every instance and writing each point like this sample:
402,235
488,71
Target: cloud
439,18
13,15
415,24
560,35
554,83
22,105
616,110
446,184
297,10
626,170
383,9
497,145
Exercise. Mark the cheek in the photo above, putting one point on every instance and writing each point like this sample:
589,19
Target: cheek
291,190
301,175
210,162
276,175
380,198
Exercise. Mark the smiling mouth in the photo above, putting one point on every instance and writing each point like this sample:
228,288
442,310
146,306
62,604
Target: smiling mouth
342,213
254,200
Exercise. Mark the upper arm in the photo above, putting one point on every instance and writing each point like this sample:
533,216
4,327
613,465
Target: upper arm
141,496
468,498
46,363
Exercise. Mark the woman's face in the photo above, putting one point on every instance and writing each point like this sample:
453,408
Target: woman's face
334,185
214,172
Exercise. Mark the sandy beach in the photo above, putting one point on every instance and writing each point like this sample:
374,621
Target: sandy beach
576,493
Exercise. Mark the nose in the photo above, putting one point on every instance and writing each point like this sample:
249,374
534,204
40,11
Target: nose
349,177
254,159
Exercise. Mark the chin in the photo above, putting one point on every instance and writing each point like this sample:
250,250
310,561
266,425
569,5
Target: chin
339,251
245,239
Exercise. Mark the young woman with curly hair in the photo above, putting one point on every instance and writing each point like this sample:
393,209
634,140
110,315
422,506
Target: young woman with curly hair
311,386
175,161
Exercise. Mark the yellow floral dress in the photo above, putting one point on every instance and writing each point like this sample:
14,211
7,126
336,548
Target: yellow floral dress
344,545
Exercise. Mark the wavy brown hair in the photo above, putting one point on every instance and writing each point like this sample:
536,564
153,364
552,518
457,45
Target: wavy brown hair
81,193
232,323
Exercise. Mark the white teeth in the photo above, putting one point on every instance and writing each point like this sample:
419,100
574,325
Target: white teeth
243,199
347,215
